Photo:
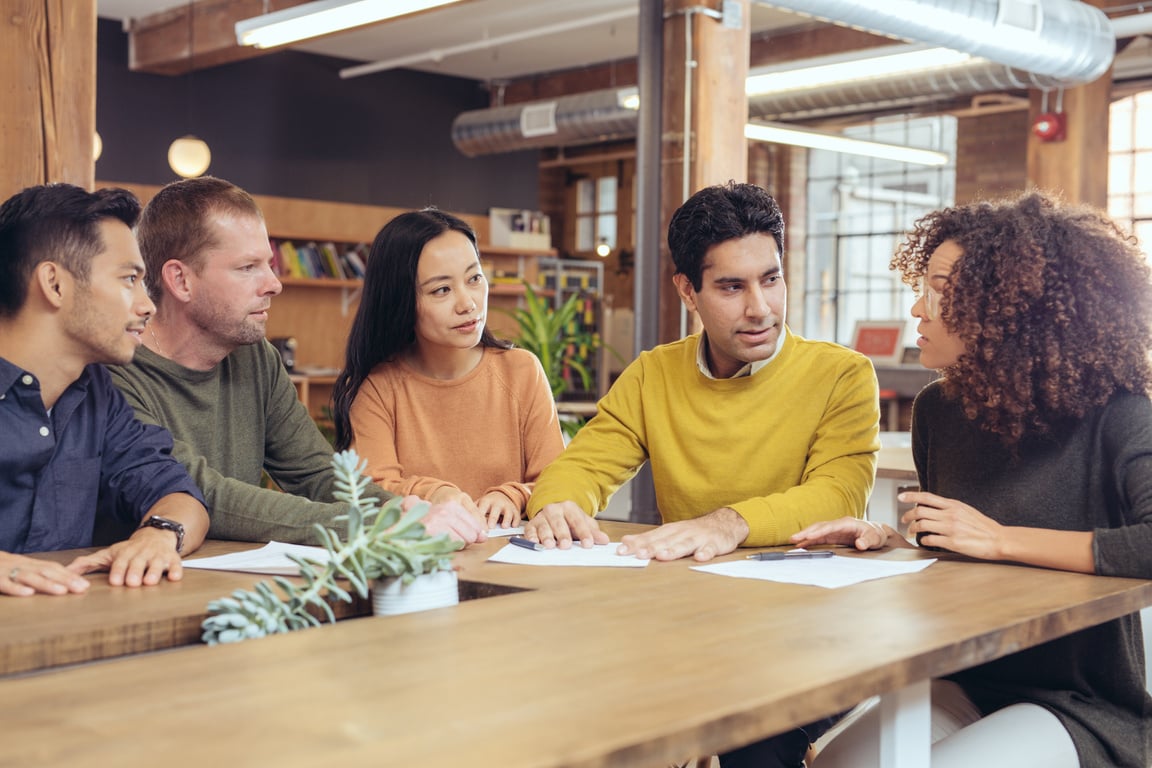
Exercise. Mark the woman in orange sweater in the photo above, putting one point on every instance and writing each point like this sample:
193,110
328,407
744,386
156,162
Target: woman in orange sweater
436,404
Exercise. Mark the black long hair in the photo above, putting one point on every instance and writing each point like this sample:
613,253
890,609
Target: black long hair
385,323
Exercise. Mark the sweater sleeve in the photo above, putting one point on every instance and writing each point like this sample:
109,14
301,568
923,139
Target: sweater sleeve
604,454
539,432
1122,548
840,468
239,510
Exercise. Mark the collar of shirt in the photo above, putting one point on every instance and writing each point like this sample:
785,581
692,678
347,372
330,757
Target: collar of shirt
9,374
745,370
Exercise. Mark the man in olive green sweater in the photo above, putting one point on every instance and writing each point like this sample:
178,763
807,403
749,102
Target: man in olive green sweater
206,372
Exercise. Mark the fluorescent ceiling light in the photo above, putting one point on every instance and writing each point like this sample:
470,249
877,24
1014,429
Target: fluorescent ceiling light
778,133
323,17
781,133
880,62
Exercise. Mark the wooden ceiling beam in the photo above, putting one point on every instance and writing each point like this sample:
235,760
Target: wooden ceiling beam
168,43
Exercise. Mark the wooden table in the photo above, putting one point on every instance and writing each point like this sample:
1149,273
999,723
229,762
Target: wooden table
589,667
49,631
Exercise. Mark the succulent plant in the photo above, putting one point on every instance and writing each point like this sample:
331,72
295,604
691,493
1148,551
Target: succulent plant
384,541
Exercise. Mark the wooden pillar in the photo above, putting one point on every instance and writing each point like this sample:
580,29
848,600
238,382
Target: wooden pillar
48,89
1077,166
706,53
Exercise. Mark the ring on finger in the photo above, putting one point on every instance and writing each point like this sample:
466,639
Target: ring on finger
12,574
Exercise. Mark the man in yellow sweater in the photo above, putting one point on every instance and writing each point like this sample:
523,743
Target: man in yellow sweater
753,432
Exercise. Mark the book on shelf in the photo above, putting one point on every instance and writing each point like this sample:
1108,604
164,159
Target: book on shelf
355,258
332,266
313,260
289,259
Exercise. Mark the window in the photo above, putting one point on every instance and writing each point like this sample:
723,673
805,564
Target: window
1130,165
596,214
859,210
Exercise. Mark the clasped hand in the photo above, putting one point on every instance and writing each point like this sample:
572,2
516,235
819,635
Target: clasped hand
953,525
942,522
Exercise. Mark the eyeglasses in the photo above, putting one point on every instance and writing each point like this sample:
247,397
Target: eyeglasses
931,298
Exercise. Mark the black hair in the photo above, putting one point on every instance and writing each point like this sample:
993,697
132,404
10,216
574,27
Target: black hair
716,215
59,223
385,322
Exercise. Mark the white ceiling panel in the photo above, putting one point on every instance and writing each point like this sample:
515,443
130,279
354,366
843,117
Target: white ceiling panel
555,35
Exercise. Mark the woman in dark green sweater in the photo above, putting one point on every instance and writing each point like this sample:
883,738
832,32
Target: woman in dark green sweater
1034,447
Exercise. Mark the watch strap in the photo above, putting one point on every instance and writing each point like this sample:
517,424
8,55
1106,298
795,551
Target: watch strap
164,524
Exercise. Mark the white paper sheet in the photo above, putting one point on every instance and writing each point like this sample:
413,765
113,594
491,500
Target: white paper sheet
272,559
830,572
598,555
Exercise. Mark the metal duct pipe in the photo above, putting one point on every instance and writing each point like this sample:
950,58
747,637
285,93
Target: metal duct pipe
1131,26
1063,39
597,116
1021,63
894,91
583,118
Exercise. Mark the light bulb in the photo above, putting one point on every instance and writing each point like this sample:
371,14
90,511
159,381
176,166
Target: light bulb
189,157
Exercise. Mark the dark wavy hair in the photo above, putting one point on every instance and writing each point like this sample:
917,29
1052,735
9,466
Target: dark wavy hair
1053,303
55,222
385,322
716,215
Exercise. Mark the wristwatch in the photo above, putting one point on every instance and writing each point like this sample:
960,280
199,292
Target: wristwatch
165,524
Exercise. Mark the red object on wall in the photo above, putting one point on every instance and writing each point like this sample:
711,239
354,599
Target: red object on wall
1050,126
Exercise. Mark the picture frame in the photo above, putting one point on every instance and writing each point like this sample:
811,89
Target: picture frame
881,340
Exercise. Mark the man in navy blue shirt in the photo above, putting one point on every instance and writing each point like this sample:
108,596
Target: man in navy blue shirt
71,297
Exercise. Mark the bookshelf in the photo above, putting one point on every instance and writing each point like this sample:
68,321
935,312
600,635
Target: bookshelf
508,269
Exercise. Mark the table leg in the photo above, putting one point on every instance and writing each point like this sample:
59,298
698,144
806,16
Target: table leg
906,727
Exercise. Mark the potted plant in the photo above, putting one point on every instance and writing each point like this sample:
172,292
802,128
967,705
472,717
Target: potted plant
388,554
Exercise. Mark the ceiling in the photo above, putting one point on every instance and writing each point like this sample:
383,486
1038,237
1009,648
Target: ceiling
564,39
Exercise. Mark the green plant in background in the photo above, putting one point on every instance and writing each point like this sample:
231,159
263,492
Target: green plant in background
381,543
548,333
551,334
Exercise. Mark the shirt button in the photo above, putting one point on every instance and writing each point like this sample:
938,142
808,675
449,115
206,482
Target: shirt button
44,431
26,379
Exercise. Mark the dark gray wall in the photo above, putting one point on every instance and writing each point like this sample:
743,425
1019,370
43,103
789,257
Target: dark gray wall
285,124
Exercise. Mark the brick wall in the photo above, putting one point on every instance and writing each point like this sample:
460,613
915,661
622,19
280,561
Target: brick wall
991,155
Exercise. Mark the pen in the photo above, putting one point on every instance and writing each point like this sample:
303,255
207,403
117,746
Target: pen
790,555
520,541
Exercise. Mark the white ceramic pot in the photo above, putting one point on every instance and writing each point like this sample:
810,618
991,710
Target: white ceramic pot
429,590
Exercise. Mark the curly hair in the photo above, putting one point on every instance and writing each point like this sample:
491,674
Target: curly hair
1053,303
